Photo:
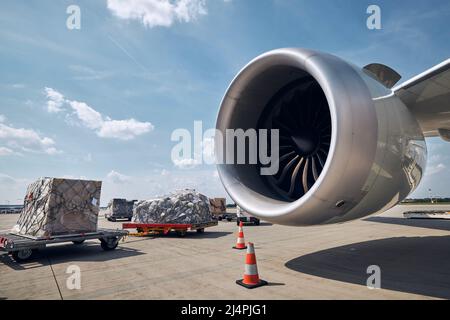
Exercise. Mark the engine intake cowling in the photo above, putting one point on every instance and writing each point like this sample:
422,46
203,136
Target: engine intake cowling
348,146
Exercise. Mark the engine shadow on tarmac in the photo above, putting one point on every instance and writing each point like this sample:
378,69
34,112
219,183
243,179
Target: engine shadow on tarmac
419,223
90,251
417,265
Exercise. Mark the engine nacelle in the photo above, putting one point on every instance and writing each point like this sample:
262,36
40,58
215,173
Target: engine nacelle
348,146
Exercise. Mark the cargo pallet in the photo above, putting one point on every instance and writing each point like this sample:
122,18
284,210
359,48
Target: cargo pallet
181,230
22,247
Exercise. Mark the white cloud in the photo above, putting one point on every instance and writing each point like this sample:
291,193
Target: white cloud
5,151
85,73
4,178
208,150
12,189
206,156
117,178
124,129
187,163
74,177
87,116
152,13
434,169
55,100
26,140
2,118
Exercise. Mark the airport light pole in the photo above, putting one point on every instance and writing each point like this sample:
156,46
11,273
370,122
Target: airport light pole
431,197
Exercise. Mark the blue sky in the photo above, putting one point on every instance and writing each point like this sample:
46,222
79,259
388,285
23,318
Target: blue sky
101,102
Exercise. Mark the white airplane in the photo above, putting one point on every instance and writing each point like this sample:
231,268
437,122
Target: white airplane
351,142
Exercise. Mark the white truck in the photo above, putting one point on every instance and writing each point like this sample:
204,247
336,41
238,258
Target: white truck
245,217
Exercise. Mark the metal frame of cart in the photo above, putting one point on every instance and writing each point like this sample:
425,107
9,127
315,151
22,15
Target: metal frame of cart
164,228
22,247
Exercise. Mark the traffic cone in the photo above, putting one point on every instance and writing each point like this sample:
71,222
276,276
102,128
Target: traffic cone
240,243
251,278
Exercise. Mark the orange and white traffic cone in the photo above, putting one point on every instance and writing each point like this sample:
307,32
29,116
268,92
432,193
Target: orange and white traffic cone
240,243
251,278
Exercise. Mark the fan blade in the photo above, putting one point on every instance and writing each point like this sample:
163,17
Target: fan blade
305,176
287,155
320,160
286,169
324,128
325,152
314,169
294,177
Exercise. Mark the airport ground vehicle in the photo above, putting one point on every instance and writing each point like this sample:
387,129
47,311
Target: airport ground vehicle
245,217
115,217
22,247
227,216
119,209
164,228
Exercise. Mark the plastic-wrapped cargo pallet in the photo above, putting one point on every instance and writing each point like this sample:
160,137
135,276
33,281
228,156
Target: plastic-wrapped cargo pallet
182,207
55,206
120,208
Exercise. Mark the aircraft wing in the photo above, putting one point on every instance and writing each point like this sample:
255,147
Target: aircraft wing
428,97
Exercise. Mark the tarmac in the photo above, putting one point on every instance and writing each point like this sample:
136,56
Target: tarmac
324,262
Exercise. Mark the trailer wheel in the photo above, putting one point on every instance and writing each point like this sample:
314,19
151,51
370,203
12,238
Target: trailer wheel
109,243
22,255
78,242
202,230
229,219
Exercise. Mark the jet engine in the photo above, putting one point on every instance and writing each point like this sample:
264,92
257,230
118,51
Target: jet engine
348,147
